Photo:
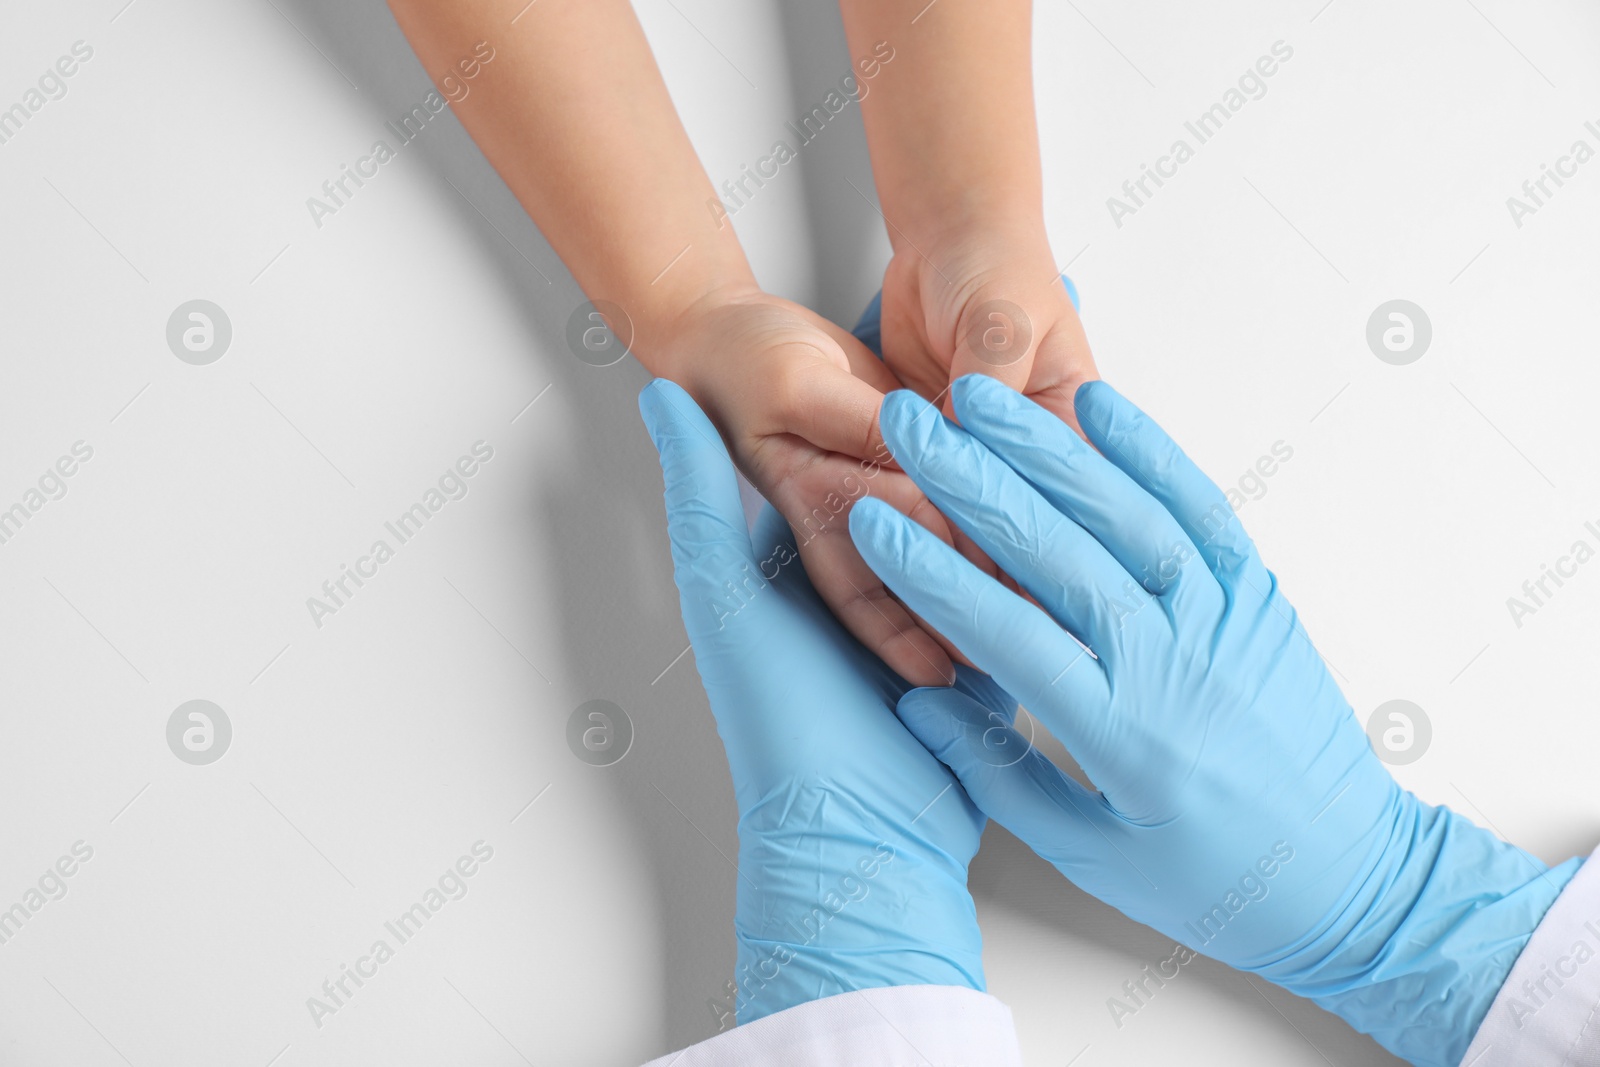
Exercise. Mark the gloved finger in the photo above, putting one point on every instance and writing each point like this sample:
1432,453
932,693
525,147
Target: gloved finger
705,519
957,657
1131,439
1016,643
1052,557
979,559
969,548
1079,482
986,691
1012,782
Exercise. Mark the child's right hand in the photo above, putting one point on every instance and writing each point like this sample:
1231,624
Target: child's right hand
797,398
985,297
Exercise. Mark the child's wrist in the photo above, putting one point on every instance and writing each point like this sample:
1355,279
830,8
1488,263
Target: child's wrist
967,218
657,316
664,342
967,251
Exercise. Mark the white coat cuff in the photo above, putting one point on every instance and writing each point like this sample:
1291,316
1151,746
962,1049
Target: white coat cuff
945,1026
1548,1011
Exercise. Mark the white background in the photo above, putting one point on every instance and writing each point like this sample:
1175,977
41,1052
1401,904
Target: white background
369,354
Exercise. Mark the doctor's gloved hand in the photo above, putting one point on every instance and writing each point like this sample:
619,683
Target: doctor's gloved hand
1237,805
853,840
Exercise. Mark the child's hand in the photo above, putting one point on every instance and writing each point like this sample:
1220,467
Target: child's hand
984,299
797,399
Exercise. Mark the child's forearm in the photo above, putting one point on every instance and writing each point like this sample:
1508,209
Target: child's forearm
950,125
574,115
576,118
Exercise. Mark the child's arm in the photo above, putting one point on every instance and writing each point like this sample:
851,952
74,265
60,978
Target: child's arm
950,124
574,115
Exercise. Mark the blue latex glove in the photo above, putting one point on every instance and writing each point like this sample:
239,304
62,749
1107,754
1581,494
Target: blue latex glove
853,840
1241,810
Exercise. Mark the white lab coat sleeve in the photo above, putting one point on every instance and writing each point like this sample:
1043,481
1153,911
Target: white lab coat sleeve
1548,1011
942,1026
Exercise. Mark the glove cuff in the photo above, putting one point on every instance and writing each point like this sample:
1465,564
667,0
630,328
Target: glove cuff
1422,950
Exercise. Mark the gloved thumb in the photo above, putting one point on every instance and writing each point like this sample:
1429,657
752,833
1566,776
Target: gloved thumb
1014,783
987,692
705,519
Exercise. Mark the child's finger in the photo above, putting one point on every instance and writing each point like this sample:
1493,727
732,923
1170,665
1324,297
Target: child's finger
994,337
833,410
872,614
864,363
